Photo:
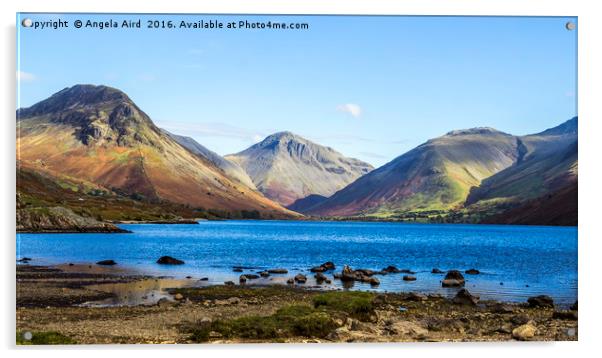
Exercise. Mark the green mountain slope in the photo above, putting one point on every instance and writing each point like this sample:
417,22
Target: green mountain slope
436,175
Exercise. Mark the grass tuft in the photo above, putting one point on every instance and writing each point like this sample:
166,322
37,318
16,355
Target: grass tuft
354,303
289,321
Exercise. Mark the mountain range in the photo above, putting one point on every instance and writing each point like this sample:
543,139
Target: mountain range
464,169
93,151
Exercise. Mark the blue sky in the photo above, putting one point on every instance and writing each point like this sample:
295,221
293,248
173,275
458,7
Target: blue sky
370,87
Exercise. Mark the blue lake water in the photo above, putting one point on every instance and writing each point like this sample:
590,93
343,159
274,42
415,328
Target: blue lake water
515,261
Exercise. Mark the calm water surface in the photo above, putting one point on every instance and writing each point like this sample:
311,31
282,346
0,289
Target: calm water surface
515,261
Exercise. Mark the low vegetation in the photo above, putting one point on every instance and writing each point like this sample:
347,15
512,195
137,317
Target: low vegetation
297,320
289,321
43,338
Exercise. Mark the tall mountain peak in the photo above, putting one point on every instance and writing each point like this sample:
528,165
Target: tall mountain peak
474,131
99,115
286,167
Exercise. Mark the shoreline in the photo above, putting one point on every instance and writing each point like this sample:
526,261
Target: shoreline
49,299
117,230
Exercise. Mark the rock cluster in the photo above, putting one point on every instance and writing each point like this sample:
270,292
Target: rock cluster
327,266
361,275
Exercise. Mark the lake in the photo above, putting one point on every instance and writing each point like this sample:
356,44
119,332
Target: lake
515,261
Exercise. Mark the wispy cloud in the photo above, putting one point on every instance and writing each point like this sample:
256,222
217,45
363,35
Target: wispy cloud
25,76
146,77
212,129
373,155
351,108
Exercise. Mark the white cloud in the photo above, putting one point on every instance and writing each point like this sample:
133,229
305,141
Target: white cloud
25,76
353,109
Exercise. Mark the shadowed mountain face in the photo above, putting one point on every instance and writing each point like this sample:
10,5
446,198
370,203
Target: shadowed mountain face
97,134
462,168
548,163
286,167
233,170
435,175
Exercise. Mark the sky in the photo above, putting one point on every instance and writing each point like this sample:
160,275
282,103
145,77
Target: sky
370,87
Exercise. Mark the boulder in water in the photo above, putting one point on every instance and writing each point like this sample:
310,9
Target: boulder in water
106,263
168,260
453,278
300,278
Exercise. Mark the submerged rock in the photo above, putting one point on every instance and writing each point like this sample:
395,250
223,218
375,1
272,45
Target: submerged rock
391,269
237,269
452,283
106,263
168,260
409,278
329,265
373,281
436,270
472,271
278,271
264,274
541,301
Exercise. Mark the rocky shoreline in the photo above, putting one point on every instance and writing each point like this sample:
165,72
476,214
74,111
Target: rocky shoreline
49,304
